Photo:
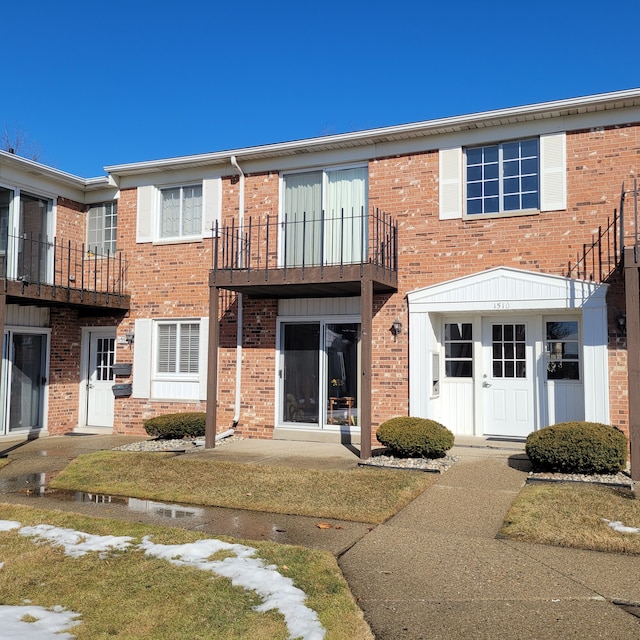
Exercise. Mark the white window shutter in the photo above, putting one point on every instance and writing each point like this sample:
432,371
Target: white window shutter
204,356
212,204
144,227
553,172
450,183
142,359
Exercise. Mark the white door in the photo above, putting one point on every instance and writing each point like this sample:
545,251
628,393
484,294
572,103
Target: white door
508,378
102,344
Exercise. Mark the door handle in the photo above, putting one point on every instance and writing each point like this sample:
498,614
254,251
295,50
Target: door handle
486,385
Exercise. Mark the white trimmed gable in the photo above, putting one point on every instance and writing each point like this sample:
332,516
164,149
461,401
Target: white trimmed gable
494,289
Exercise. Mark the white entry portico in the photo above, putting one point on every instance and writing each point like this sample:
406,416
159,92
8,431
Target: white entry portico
505,352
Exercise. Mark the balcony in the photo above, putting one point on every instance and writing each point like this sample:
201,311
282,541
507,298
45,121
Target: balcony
59,272
325,256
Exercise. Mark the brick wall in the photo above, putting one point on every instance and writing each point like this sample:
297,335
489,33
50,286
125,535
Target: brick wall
171,280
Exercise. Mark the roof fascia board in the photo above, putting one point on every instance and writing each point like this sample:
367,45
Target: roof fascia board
629,101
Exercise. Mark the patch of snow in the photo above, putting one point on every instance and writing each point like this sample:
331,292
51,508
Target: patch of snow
243,569
249,572
76,543
617,525
48,624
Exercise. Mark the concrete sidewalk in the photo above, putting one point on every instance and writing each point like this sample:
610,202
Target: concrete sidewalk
435,570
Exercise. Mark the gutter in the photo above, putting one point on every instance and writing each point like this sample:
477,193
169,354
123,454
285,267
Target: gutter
240,320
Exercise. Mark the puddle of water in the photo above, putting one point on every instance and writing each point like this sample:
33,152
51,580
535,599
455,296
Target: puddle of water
232,522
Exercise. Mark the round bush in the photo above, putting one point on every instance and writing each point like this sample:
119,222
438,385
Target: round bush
407,437
578,447
176,425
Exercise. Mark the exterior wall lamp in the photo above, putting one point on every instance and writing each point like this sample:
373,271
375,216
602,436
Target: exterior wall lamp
396,328
129,337
622,323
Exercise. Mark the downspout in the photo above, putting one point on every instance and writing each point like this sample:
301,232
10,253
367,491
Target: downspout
240,322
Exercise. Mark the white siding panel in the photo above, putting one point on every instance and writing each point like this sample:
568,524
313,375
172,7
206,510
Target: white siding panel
24,316
204,356
565,401
553,172
173,390
450,183
142,359
302,307
146,202
212,205
458,406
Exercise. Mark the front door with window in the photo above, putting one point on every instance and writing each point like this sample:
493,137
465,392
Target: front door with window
319,374
100,399
508,378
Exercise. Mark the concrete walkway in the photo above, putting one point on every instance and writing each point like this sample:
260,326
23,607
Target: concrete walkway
435,570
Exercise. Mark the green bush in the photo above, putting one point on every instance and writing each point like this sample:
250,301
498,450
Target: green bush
407,437
176,425
578,447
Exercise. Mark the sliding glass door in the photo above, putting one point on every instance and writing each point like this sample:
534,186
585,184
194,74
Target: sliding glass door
319,382
325,217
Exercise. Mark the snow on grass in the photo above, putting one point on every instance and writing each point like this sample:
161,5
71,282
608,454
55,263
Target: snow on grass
249,572
243,569
616,525
29,622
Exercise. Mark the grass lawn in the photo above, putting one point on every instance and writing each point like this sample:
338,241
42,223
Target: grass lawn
131,595
360,495
574,515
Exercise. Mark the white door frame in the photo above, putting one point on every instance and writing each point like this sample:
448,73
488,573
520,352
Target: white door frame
85,355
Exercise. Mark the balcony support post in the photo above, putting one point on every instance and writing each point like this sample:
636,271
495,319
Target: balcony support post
366,326
632,295
212,371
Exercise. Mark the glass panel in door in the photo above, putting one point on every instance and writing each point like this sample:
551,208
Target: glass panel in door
341,347
300,370
27,381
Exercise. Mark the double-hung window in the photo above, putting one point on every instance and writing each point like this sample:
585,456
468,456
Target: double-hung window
102,224
503,177
177,348
181,211
325,216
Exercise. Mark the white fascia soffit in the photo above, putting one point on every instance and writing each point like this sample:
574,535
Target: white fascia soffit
31,167
512,115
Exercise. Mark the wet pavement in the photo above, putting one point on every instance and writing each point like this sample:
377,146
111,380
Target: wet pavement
33,464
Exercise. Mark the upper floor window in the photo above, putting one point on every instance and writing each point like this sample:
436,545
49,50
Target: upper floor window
102,223
181,211
325,213
177,348
503,177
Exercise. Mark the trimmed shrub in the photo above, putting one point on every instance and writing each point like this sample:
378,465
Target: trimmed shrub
578,447
176,425
407,437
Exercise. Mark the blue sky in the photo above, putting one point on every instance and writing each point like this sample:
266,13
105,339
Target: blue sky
94,84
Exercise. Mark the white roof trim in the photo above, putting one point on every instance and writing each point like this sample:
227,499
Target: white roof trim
504,289
541,111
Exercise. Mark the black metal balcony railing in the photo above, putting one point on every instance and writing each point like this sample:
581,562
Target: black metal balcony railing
62,265
299,242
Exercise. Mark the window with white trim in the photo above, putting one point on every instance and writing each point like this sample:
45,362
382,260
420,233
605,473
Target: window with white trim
181,212
458,350
177,348
503,178
562,347
102,226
